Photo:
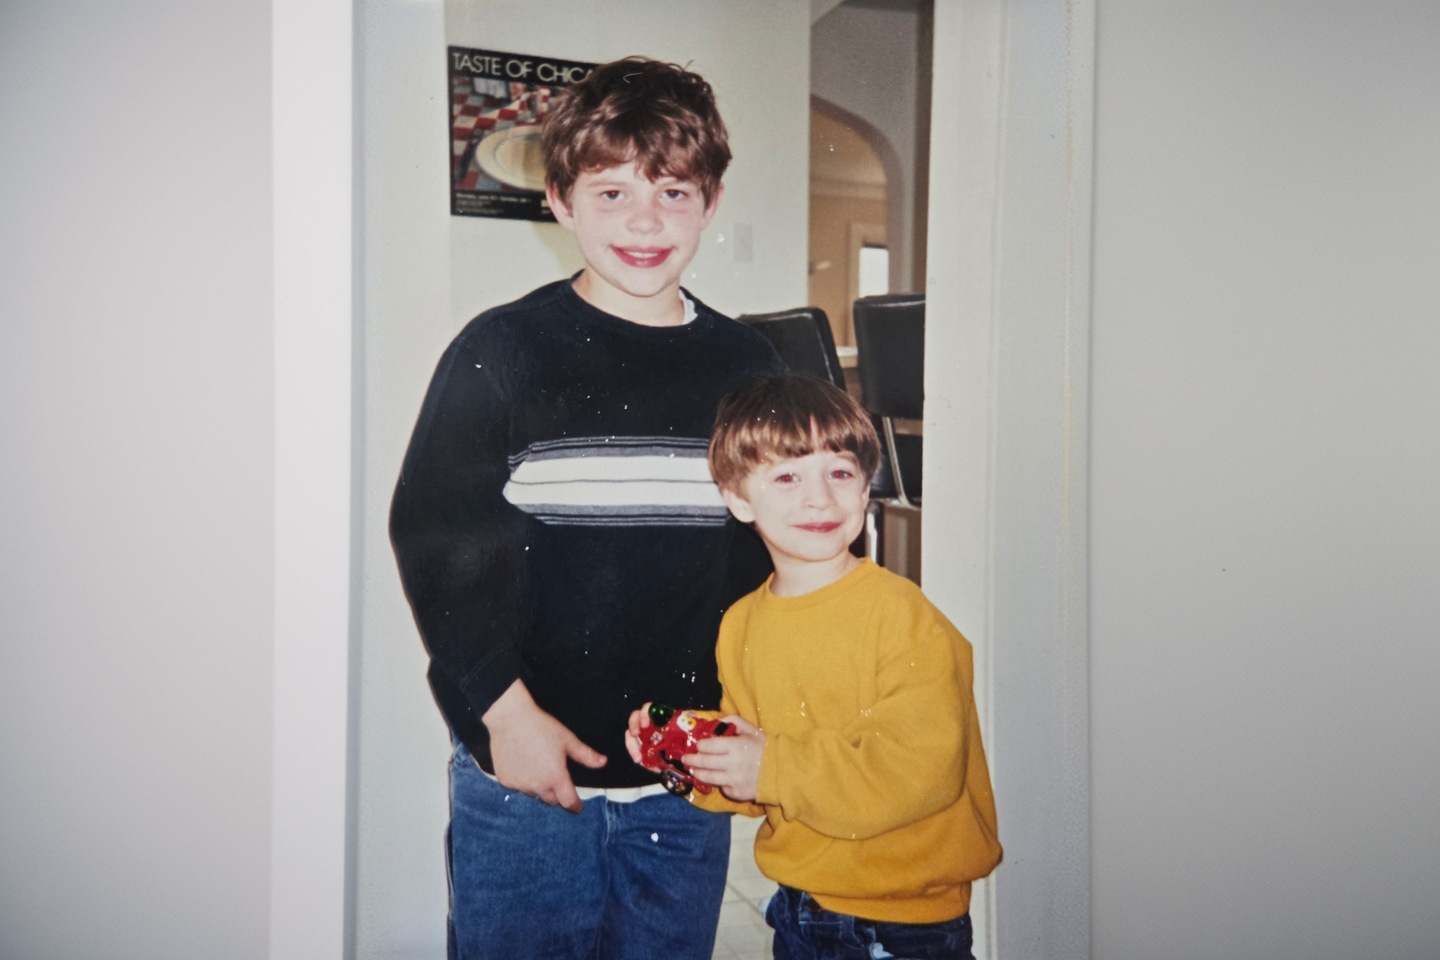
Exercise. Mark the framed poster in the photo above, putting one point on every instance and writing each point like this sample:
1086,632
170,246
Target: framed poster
497,101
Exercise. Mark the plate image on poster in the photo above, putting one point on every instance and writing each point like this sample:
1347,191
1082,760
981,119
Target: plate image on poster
497,101
512,157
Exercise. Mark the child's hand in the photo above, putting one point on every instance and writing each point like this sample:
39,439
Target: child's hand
730,763
639,723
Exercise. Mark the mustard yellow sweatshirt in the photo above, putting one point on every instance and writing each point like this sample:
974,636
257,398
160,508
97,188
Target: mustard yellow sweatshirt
873,783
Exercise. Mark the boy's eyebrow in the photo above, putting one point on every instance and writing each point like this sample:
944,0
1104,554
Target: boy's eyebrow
776,458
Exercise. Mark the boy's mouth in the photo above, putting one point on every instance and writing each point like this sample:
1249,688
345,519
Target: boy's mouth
820,527
642,256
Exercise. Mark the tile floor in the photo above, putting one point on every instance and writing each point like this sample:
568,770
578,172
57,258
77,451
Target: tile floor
743,934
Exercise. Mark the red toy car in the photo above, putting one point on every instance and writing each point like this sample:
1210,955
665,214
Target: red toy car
674,733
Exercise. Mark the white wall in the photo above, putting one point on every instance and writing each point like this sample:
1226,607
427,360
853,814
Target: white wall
425,273
137,429
1265,526
176,329
1255,756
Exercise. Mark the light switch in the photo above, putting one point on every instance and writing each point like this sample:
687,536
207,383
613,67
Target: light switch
744,243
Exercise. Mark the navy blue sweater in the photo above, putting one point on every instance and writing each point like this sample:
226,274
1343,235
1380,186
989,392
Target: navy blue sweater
555,522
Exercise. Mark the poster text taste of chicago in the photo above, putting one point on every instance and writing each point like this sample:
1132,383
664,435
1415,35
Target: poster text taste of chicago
515,68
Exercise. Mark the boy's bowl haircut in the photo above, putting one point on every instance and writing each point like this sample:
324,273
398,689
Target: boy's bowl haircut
786,417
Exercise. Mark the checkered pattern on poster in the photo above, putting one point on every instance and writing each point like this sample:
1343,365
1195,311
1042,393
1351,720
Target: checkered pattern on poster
497,101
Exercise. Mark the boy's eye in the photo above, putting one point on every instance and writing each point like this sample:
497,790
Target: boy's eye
841,474
675,193
610,194
785,478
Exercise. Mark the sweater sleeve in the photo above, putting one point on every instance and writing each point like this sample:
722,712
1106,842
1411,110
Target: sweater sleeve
460,546
901,758
734,699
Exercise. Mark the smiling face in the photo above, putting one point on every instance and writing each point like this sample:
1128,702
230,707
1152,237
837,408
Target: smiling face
637,236
808,510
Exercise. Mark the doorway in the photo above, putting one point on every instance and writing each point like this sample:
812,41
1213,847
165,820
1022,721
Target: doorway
870,72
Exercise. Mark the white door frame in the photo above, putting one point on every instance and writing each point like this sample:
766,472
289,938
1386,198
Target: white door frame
1007,355
313,161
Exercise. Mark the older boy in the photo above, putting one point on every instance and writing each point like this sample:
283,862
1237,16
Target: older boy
859,741
565,552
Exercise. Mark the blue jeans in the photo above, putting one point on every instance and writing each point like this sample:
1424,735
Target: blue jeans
618,881
804,930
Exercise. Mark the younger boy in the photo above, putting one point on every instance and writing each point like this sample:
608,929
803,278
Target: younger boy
565,552
858,737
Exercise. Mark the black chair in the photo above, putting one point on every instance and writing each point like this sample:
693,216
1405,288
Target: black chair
890,348
803,339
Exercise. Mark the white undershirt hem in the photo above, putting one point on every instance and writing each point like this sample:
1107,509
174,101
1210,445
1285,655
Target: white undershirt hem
613,794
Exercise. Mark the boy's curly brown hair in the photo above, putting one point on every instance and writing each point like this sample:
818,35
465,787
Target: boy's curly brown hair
655,114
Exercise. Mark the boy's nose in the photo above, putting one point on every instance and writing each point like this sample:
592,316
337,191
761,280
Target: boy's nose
644,218
819,494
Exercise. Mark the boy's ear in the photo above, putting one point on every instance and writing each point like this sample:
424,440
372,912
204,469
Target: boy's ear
738,505
559,207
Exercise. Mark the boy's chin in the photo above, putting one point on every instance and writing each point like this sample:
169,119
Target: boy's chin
638,283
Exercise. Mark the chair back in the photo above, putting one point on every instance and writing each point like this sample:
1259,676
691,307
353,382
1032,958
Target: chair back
909,451
803,339
890,350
